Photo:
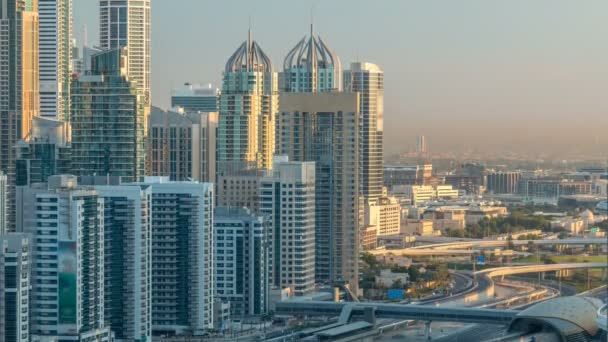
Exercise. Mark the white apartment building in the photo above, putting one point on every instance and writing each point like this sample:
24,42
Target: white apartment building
288,200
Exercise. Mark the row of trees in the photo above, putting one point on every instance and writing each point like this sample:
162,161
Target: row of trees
520,219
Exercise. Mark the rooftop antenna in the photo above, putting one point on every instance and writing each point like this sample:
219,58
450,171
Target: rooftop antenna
312,21
249,53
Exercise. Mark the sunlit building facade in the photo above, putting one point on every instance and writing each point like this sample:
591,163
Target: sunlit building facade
55,57
323,128
368,80
310,67
248,106
19,83
126,23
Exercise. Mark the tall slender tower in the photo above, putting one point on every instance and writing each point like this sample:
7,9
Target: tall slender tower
324,128
248,105
368,80
55,58
19,99
127,23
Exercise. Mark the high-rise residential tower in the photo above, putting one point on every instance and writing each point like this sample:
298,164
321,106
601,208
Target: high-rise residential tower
93,250
107,120
182,145
182,256
324,128
241,265
47,152
126,23
3,203
248,105
127,259
55,57
196,98
288,199
311,67
368,80
19,97
67,225
15,266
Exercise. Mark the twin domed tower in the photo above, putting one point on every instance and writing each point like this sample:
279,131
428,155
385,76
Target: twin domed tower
249,102
249,98
340,131
310,66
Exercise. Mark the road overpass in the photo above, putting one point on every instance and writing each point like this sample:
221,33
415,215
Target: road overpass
470,247
511,270
602,318
398,311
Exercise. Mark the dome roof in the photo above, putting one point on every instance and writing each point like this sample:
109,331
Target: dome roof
311,52
249,57
587,214
565,315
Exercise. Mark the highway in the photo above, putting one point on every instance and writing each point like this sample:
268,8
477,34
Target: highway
510,270
468,247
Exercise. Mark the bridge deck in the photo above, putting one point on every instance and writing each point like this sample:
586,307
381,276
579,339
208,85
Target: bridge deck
383,310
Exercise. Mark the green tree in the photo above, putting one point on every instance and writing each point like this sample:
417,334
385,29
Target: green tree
414,273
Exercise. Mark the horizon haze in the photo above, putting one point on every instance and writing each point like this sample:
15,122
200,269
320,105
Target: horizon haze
519,76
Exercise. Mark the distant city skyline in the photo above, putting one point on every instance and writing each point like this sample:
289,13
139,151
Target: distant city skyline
471,71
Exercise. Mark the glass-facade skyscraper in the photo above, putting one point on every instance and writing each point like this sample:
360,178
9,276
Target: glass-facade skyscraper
126,23
107,120
368,80
19,89
248,105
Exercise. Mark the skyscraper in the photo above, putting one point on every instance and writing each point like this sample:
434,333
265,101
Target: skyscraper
107,120
368,80
47,152
248,105
126,23
19,97
195,98
55,57
241,265
182,145
421,148
324,128
182,256
15,265
67,225
93,248
311,67
127,259
3,203
288,199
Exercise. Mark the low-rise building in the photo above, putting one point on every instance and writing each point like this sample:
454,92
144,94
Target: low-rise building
418,227
388,278
368,238
419,194
444,218
397,241
385,214
391,259
474,214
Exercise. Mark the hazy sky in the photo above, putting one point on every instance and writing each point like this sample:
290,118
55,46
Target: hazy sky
527,75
